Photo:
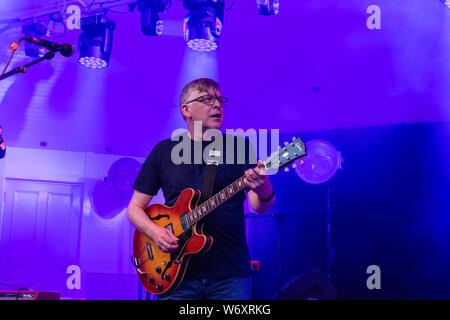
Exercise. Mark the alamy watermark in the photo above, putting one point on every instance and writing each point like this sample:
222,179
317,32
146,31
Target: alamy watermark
374,20
184,152
74,280
374,280
73,21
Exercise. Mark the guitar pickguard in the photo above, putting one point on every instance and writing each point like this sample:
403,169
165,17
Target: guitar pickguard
184,239
175,256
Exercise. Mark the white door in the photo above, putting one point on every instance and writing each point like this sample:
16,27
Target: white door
40,237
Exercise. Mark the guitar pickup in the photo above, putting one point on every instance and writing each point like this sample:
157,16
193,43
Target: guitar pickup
149,250
170,227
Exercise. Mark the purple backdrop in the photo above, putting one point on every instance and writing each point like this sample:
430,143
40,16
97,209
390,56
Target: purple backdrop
311,70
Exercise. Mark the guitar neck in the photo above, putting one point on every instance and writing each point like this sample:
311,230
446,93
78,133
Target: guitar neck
277,160
191,218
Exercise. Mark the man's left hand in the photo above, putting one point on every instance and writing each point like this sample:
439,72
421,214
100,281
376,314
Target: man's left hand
258,181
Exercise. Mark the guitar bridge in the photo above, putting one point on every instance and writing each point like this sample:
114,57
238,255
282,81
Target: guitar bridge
137,263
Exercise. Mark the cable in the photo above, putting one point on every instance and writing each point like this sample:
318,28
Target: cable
100,5
231,6
170,4
123,12
119,12
64,8
57,19
13,47
92,3
63,33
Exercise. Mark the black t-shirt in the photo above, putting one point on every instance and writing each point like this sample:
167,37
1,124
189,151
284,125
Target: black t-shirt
228,256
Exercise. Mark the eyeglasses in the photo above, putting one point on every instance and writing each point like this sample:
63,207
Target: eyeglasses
210,100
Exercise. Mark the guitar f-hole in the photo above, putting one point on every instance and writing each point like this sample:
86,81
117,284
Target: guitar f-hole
164,271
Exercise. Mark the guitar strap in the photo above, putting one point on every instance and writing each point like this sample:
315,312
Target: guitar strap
210,177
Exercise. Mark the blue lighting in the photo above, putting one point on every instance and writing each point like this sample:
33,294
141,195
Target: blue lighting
93,62
446,2
202,45
95,43
203,25
268,7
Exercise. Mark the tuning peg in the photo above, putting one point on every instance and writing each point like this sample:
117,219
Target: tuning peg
294,166
293,138
286,143
286,169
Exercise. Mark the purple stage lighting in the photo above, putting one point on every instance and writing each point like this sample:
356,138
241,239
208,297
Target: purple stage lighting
199,37
268,7
446,2
36,30
95,43
91,61
203,24
321,162
151,24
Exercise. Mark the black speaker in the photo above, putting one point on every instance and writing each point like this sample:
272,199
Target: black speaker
311,285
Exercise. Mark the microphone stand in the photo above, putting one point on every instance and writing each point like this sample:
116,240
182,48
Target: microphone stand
22,69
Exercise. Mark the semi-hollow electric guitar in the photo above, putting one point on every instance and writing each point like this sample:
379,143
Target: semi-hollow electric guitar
161,272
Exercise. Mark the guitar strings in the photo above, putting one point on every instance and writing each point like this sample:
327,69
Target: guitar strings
217,197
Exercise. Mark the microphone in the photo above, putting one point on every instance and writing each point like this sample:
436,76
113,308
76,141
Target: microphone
65,49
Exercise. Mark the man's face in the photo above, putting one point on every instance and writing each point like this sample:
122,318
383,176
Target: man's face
211,116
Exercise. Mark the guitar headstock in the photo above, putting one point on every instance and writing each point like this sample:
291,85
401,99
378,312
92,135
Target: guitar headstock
285,155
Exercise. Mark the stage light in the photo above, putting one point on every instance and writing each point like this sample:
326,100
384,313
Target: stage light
446,2
203,24
95,42
36,30
268,7
321,162
151,24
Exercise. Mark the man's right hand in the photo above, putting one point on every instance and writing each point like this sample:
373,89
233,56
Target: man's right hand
164,239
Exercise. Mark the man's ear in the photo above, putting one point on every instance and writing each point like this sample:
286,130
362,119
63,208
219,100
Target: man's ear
185,111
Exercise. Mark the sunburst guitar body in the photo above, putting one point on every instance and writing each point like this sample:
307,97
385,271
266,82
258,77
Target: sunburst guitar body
161,272
158,271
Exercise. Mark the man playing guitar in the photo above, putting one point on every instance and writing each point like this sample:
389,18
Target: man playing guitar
223,272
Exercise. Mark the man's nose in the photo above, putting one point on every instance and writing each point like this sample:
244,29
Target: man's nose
217,104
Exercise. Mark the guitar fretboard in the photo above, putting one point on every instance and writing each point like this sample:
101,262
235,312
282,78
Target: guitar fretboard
191,218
